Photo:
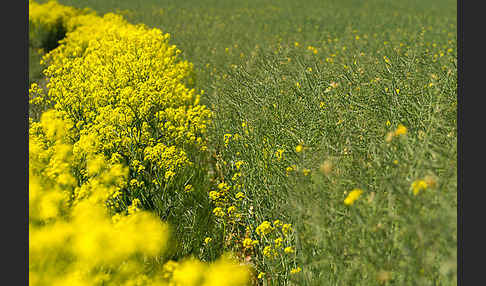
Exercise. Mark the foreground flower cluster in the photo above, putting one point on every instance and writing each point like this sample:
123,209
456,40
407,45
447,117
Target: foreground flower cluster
74,241
268,246
119,127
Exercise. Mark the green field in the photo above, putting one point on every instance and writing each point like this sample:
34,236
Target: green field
336,78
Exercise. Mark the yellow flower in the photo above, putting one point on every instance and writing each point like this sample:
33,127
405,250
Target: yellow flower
268,251
207,240
231,210
295,270
227,138
260,275
222,186
353,196
286,228
218,212
169,174
264,228
278,242
247,243
134,207
305,172
214,195
289,169
236,176
277,223
239,195
401,130
279,153
188,188
418,185
289,249
299,148
238,164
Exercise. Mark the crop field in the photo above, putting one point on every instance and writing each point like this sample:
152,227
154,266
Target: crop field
257,142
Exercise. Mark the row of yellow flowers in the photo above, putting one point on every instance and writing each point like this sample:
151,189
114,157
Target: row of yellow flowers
120,123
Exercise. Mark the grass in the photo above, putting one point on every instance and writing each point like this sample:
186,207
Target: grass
336,77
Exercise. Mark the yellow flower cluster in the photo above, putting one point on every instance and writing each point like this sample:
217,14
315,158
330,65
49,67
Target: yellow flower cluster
312,49
418,185
223,199
123,118
286,228
125,88
264,228
270,252
249,243
49,22
191,272
52,14
82,245
401,130
273,240
295,270
353,196
236,216
76,241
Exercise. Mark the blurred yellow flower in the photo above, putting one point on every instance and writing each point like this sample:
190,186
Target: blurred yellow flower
289,249
417,186
306,172
299,148
295,270
353,196
401,130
